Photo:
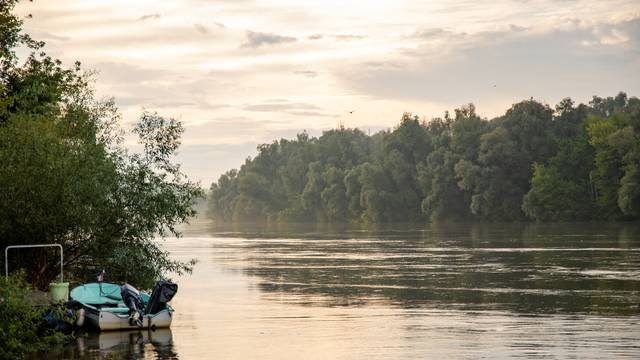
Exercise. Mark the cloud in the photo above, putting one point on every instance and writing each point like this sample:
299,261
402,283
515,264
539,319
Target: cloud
160,89
119,72
614,37
431,35
225,130
149,17
450,67
338,37
279,106
47,36
517,28
257,39
310,113
206,162
611,37
283,106
306,73
201,29
347,37
428,34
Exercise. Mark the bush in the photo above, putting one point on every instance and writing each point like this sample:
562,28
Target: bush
21,329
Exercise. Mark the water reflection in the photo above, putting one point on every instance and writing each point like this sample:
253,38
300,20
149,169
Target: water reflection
137,344
524,268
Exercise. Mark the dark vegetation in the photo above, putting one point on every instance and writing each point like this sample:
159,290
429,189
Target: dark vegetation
574,162
66,177
22,328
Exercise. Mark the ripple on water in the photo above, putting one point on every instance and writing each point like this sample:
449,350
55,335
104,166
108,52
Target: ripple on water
443,291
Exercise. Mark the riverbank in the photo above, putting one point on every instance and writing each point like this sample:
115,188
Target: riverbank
40,298
22,324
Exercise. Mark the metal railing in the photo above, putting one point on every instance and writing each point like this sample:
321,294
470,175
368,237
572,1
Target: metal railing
6,256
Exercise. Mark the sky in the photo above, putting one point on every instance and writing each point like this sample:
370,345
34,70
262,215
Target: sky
239,73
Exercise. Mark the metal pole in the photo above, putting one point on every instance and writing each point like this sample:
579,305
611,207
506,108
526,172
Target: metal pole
6,256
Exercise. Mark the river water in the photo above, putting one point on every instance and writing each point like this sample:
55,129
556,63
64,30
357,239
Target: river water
454,291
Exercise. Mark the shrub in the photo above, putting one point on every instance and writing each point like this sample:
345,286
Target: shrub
21,324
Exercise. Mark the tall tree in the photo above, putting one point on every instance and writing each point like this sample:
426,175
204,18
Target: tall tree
66,177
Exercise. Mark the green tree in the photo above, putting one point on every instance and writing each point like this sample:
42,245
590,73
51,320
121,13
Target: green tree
67,178
311,195
334,200
532,162
376,201
223,196
562,190
608,161
453,140
501,176
353,188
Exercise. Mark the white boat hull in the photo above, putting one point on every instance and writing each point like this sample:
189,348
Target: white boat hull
105,320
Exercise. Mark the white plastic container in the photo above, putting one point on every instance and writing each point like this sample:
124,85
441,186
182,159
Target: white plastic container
59,292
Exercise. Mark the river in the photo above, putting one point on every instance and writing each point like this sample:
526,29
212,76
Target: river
454,291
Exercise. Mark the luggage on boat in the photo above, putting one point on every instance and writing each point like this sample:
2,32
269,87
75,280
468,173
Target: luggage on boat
131,298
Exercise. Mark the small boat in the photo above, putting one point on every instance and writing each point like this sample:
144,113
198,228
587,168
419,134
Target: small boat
108,306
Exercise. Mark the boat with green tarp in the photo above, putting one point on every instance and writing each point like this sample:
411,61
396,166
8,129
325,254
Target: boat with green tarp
108,306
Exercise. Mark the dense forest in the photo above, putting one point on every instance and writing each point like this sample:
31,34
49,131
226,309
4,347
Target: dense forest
574,162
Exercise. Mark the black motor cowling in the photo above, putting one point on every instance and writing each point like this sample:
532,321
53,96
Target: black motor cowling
132,299
162,293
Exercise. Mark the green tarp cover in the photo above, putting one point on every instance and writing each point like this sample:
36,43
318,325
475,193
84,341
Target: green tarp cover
93,295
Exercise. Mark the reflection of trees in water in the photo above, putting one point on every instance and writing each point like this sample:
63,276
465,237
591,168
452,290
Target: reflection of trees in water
135,344
528,268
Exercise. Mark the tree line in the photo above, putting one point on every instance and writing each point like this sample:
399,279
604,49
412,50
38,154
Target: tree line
571,162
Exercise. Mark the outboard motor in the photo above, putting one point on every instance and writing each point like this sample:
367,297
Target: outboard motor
162,293
131,298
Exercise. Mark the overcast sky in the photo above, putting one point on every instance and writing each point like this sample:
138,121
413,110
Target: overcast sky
241,72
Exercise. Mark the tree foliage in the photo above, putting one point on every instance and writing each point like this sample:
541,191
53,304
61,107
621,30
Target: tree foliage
574,162
67,178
